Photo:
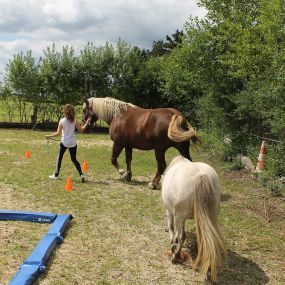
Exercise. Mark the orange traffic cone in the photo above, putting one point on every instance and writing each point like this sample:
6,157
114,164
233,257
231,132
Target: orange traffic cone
261,158
68,186
84,166
28,154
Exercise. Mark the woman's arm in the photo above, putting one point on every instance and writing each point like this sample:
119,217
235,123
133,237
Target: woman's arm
80,128
57,133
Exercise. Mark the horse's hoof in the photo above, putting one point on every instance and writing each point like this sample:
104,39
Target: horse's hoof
122,172
127,176
152,186
173,258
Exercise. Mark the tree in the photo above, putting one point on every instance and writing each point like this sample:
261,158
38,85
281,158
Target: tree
231,54
127,64
95,68
59,71
148,83
178,88
23,79
161,48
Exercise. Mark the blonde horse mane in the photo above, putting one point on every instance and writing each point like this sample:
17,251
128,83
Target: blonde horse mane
211,246
108,108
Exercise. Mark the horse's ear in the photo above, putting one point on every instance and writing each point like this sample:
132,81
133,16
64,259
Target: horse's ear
85,100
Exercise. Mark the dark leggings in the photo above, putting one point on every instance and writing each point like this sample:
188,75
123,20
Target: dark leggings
72,152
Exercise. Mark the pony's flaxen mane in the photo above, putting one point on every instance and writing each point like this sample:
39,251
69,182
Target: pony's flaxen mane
108,108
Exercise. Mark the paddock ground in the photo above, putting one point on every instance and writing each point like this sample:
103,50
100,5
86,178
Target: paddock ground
118,232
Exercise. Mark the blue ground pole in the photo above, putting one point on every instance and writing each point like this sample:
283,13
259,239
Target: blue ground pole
32,267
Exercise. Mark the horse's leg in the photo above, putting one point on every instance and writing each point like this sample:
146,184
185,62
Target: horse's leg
161,165
117,149
180,226
183,148
170,225
129,154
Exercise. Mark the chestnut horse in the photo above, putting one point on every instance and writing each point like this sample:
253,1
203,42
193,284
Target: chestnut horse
191,190
133,127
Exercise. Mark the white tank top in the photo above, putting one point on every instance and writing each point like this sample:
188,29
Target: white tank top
68,137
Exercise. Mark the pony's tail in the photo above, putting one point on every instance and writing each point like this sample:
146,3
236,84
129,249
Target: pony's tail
211,248
180,130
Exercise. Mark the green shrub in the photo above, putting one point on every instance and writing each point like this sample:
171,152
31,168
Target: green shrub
275,163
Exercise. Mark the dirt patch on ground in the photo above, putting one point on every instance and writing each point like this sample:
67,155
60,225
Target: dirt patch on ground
6,198
25,141
97,142
262,203
8,195
271,209
20,162
5,153
237,175
84,143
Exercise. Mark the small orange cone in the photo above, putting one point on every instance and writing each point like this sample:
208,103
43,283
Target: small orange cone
28,154
84,166
68,186
261,158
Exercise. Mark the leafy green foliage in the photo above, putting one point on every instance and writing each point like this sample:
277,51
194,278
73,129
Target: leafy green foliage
95,69
148,83
125,71
59,73
23,81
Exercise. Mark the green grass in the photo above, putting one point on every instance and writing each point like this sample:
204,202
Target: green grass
117,235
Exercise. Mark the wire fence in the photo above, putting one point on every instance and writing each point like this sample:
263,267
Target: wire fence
270,142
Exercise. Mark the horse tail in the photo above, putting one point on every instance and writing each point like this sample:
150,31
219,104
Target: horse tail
180,130
211,248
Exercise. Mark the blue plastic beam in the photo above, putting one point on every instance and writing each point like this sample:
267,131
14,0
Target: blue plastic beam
35,263
36,217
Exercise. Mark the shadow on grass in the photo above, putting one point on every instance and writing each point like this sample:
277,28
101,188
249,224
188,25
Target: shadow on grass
116,181
240,270
237,269
133,182
138,183
97,182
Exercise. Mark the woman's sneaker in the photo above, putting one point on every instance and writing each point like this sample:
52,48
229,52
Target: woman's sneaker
52,176
82,178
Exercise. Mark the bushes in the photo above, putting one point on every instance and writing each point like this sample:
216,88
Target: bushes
275,160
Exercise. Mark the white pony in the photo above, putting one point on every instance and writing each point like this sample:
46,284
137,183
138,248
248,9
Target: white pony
191,190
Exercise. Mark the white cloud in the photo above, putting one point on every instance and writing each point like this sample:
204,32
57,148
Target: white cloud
34,25
63,10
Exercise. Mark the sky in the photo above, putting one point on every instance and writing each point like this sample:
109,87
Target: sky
36,24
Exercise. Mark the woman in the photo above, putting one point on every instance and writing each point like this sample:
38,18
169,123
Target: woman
66,128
